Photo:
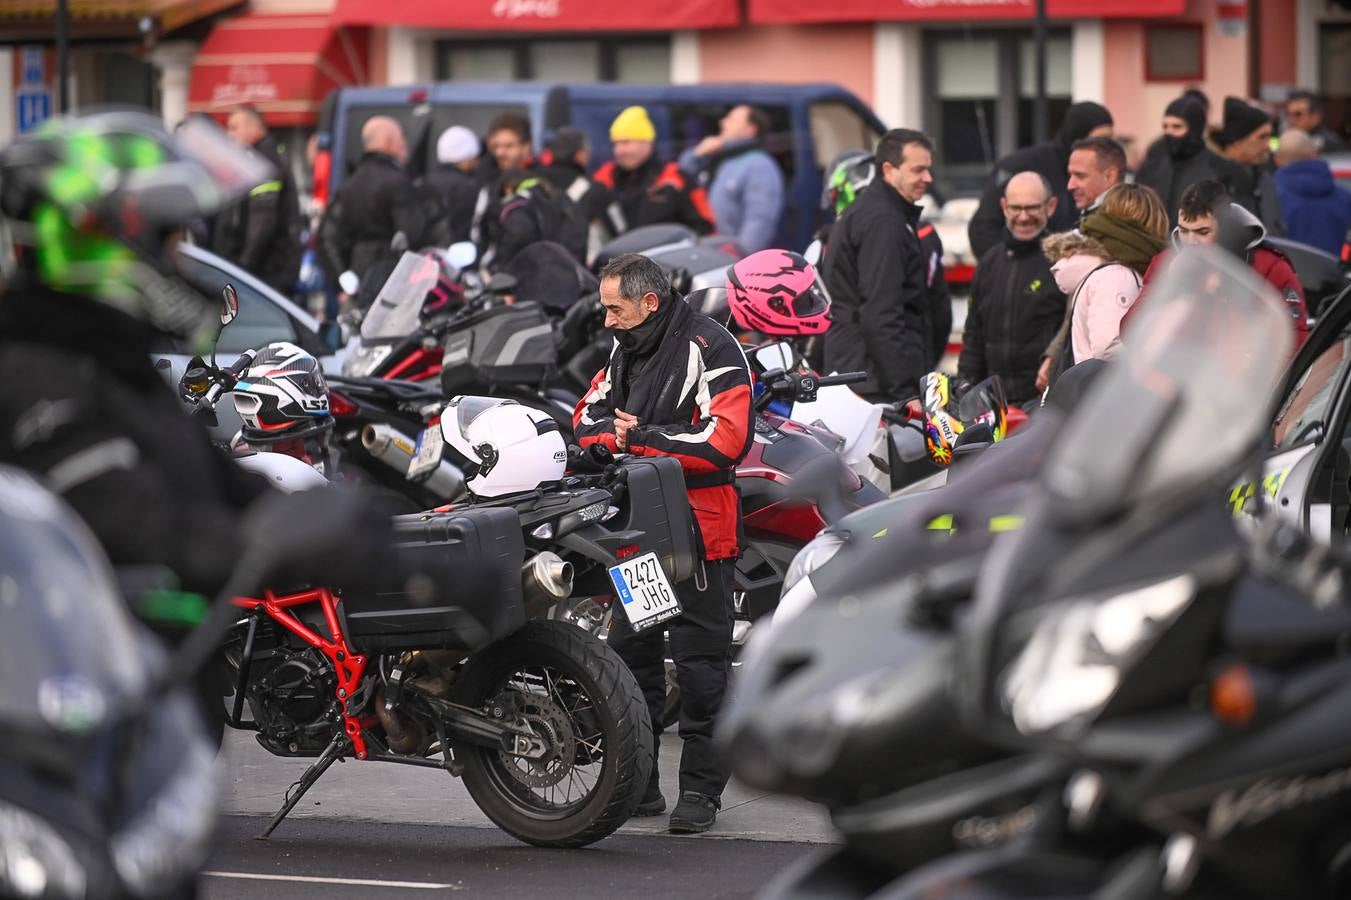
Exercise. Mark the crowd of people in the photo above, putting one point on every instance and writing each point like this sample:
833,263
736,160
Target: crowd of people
1068,240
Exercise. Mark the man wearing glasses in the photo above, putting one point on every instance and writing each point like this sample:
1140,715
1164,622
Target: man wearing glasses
1016,307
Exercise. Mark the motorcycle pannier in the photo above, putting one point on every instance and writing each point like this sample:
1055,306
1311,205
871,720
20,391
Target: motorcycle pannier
506,344
475,558
656,504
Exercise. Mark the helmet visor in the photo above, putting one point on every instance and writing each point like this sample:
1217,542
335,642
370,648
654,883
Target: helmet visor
812,302
467,409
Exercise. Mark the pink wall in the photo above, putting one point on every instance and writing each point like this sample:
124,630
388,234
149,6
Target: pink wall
379,56
1277,36
842,54
1137,105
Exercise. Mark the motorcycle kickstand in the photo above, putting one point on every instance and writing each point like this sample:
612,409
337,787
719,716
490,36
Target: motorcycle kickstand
332,753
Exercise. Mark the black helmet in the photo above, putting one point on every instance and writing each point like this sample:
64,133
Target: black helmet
95,201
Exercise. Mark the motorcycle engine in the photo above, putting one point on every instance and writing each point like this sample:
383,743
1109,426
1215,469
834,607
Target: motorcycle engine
294,705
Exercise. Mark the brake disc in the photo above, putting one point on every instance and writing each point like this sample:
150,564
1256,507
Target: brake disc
551,726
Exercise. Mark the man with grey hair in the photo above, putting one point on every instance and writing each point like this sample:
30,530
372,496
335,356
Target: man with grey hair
1317,211
1016,307
677,385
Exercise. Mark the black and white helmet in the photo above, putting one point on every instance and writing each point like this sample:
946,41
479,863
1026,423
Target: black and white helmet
283,396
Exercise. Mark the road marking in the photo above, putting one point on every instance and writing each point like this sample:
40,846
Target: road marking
354,882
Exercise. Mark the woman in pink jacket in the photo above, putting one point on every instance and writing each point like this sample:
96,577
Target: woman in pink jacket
1100,267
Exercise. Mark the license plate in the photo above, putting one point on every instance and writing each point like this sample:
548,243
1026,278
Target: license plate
645,595
427,454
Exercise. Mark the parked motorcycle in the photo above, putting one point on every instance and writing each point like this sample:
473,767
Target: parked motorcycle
1195,675
542,720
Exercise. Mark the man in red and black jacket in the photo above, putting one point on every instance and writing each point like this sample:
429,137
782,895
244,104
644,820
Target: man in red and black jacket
677,385
1206,215
646,190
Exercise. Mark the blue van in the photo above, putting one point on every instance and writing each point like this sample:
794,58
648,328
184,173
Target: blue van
811,124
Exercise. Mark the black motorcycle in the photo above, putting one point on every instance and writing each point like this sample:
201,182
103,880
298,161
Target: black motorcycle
1194,675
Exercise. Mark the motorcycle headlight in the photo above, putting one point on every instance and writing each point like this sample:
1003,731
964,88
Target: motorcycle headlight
35,861
171,838
1076,658
363,360
818,551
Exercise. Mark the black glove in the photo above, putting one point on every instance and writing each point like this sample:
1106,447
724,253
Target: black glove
337,537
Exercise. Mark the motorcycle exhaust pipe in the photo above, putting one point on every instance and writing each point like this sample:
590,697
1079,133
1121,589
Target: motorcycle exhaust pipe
545,580
402,735
395,449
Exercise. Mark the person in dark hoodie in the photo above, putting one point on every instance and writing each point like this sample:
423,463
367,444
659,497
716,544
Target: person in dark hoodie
1245,140
1182,158
1048,159
1317,211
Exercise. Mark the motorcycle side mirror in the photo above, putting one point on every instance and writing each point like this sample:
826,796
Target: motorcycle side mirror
973,440
813,253
462,254
501,283
399,243
229,305
163,365
349,283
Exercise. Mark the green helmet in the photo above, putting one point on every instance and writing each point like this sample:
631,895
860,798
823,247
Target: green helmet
849,174
93,202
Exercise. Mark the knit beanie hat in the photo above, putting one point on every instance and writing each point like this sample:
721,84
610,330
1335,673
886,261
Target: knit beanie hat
633,124
457,144
1240,120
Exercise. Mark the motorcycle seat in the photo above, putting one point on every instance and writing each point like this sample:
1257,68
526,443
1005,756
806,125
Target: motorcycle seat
1268,621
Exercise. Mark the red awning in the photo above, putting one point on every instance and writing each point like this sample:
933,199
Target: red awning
541,15
284,65
804,11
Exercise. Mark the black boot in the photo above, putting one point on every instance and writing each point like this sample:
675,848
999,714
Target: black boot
695,813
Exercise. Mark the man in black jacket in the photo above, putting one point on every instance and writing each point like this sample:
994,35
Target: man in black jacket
261,235
1181,157
1245,141
564,162
1016,307
1049,160
454,185
877,274
376,202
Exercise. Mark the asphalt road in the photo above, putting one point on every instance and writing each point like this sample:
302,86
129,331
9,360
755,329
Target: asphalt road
335,859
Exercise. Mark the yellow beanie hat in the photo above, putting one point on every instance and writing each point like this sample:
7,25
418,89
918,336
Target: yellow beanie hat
632,125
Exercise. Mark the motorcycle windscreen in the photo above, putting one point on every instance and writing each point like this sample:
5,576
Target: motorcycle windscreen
1187,397
396,309
72,657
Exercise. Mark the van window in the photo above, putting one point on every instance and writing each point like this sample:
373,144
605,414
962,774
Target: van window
837,127
260,321
692,122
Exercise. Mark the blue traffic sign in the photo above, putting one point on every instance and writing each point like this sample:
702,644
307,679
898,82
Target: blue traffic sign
34,108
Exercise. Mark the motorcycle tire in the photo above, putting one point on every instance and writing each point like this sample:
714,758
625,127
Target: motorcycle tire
582,664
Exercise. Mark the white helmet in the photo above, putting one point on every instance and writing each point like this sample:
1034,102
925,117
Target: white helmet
510,448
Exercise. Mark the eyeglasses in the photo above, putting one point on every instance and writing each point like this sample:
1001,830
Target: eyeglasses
1025,210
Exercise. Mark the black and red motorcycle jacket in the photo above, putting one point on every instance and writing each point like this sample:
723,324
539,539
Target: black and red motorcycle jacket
699,413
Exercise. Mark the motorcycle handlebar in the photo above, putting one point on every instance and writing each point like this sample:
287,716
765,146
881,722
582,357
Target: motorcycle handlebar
241,365
841,378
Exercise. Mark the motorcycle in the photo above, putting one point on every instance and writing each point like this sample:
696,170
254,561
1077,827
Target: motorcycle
541,719
1188,671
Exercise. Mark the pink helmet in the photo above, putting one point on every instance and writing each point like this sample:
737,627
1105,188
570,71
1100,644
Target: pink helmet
776,292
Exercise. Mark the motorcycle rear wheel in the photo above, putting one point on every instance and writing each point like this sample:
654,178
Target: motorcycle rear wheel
577,693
